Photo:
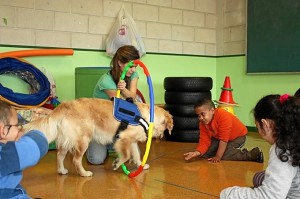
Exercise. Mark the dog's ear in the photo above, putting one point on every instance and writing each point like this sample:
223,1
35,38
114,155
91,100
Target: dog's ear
169,121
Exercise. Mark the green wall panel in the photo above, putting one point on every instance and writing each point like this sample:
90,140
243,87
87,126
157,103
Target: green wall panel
86,79
247,89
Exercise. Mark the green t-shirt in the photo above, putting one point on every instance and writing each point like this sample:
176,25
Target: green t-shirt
106,82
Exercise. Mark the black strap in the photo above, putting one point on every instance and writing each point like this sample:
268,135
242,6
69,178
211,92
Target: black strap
123,125
125,111
129,99
143,123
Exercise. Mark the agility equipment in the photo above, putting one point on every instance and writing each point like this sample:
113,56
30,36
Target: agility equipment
12,64
181,94
150,129
37,52
226,101
226,94
38,82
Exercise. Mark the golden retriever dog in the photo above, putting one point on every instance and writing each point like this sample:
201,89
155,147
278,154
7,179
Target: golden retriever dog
75,123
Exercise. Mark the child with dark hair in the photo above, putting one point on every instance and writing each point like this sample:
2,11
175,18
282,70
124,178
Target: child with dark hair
259,177
222,135
17,152
278,121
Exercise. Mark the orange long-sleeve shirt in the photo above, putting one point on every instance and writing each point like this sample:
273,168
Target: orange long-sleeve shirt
224,126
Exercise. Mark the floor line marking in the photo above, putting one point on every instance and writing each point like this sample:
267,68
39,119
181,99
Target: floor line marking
187,188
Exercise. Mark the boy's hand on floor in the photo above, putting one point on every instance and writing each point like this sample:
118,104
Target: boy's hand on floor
191,155
214,159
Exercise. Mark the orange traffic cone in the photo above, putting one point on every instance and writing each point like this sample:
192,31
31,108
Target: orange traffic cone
226,94
228,108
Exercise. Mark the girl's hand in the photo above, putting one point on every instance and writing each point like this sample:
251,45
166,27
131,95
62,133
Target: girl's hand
191,155
121,85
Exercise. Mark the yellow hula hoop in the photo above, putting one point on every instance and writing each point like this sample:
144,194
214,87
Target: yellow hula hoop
151,125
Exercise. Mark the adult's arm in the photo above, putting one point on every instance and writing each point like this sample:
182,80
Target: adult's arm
131,92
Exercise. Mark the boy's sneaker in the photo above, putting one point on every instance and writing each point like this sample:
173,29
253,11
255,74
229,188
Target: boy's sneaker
257,155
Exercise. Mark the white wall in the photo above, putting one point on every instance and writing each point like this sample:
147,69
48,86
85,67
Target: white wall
166,26
231,29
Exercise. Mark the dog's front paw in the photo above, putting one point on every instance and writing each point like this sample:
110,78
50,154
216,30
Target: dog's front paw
146,167
63,171
115,164
86,174
131,161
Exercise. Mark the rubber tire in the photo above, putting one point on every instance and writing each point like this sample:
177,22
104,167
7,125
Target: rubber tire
181,109
172,97
188,84
185,123
183,136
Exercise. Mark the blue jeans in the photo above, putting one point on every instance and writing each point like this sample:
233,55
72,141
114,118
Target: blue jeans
96,153
232,152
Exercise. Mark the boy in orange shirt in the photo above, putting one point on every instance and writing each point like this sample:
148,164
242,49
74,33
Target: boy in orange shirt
221,136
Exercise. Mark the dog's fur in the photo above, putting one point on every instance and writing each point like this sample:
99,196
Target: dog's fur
74,124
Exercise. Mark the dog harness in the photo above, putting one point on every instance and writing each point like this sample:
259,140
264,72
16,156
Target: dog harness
127,112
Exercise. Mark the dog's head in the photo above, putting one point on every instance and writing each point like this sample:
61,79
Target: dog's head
162,120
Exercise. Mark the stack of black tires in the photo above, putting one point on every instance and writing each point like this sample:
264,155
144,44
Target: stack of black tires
181,94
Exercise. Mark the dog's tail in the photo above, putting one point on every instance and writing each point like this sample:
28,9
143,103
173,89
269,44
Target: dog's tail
48,125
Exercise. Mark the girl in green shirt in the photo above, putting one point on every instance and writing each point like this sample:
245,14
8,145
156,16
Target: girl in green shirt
107,87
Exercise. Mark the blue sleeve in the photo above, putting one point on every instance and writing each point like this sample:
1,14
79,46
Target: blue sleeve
26,152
